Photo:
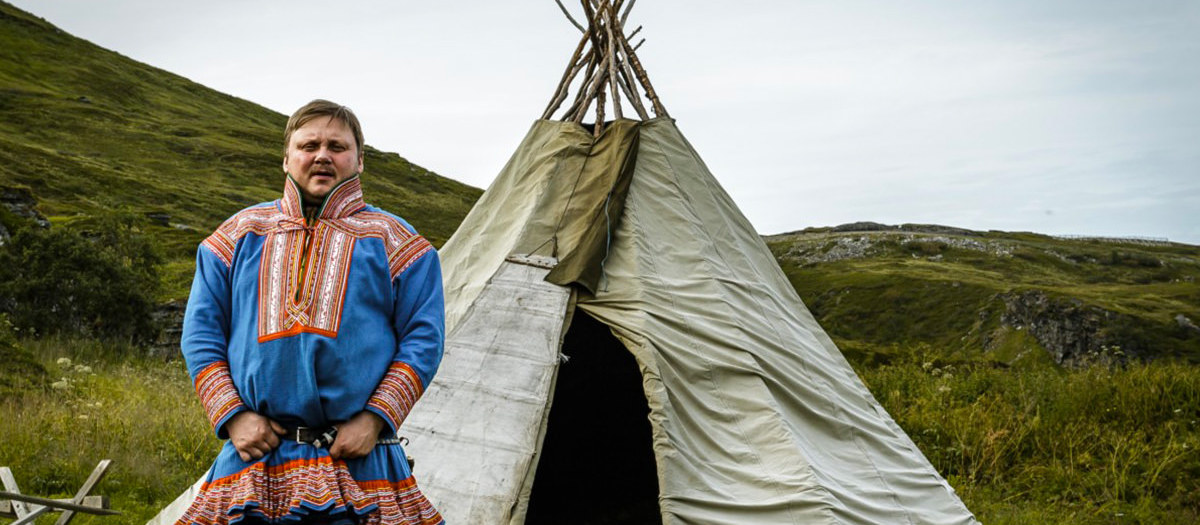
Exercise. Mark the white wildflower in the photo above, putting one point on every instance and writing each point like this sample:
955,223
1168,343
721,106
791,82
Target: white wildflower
63,361
60,384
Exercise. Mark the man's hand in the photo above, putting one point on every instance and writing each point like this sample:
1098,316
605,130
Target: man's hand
356,437
253,434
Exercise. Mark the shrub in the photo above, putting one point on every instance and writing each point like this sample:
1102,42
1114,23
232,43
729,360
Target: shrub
99,281
19,371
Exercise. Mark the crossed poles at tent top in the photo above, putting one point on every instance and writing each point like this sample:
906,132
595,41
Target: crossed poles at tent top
609,65
26,509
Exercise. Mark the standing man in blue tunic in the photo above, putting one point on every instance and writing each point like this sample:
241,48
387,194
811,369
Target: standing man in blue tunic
314,323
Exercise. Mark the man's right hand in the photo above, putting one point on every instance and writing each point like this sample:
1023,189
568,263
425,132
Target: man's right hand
253,435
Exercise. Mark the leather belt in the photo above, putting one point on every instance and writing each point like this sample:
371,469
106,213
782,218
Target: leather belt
323,437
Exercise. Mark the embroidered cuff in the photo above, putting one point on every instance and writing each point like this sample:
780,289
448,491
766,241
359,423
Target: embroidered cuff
396,394
218,395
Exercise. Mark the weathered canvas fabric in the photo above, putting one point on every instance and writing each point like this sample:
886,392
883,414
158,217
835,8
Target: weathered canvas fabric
756,416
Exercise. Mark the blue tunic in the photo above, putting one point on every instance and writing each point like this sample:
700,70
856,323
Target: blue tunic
309,323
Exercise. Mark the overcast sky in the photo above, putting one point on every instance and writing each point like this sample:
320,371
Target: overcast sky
1064,117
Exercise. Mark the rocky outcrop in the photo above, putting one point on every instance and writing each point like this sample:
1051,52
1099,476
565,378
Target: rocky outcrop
168,318
1075,334
20,202
1187,324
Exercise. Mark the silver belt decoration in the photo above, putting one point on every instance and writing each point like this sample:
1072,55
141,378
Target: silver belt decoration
323,438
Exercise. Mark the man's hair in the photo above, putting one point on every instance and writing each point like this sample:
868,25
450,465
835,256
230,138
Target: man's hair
323,108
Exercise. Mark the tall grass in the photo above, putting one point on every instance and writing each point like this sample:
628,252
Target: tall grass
101,404
1050,446
1032,446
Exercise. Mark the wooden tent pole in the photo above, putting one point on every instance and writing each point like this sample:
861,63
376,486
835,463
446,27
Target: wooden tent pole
612,59
625,15
599,110
586,89
597,83
625,75
608,68
642,77
569,17
573,68
634,33
593,60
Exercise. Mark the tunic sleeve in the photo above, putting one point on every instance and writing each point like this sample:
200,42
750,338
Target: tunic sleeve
419,322
205,339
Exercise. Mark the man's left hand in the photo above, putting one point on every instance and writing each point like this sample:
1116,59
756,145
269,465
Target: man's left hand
356,437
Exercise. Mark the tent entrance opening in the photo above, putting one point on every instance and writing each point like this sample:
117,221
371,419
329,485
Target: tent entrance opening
597,464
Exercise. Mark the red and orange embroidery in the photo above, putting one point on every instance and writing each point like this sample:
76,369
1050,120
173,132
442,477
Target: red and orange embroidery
215,387
303,271
397,393
297,295
276,491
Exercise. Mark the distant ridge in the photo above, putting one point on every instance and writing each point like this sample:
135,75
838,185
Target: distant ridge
996,295
868,226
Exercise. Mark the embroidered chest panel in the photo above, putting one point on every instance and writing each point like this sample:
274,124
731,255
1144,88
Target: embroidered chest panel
302,282
303,272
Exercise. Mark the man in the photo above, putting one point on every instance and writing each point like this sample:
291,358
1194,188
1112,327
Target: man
314,323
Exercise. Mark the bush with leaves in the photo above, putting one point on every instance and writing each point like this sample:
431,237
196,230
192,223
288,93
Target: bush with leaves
95,280
19,371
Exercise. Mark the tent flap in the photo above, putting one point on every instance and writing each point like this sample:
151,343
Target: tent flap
595,205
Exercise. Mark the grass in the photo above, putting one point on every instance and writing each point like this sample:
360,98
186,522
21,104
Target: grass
101,402
1032,444
1090,446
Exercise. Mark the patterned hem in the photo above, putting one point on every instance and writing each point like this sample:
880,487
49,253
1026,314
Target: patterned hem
307,488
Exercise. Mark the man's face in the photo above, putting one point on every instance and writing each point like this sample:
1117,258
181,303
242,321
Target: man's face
320,154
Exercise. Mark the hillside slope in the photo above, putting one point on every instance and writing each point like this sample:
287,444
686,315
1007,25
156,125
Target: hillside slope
90,131
995,295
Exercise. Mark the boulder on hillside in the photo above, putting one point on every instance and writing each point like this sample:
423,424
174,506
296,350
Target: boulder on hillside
18,202
1075,334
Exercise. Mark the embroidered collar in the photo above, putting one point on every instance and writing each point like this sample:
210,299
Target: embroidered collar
343,200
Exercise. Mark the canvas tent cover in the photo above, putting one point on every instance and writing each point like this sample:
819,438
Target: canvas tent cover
756,416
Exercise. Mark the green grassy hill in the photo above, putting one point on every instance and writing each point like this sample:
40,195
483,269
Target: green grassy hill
996,296
90,131
975,342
